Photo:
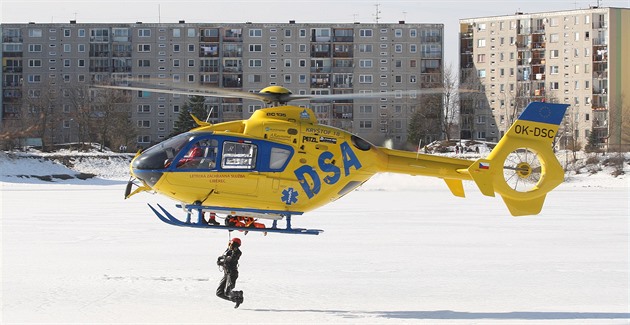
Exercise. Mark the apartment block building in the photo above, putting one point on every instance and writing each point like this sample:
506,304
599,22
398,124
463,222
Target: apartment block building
577,57
305,58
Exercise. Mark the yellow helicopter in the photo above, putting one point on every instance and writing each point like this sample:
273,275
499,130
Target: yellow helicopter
281,162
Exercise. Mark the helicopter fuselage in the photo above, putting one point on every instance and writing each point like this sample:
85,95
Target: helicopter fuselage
281,162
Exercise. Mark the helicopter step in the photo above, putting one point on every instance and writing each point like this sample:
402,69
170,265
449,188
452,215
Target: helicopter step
168,218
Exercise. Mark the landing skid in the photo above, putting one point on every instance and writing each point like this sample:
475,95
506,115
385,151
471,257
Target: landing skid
168,218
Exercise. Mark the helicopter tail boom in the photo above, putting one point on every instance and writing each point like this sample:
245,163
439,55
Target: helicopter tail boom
522,168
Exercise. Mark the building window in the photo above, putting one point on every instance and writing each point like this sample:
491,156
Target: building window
144,139
365,63
144,108
144,124
34,48
365,79
255,32
144,33
255,63
365,124
365,33
365,48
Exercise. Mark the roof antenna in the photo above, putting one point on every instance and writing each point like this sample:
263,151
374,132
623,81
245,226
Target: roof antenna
377,16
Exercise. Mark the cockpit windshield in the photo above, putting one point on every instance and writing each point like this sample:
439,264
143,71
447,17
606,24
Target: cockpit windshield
161,154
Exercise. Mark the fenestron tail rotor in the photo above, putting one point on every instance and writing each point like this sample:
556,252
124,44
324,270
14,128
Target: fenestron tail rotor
522,169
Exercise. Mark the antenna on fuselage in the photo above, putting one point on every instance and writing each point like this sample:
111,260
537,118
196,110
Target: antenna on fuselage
209,114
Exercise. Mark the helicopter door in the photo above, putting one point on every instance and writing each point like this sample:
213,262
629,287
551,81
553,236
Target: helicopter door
238,163
197,166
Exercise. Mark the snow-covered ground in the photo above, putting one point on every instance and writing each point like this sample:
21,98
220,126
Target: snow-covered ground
398,250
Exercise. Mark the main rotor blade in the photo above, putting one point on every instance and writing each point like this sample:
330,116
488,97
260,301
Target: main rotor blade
192,91
382,94
169,87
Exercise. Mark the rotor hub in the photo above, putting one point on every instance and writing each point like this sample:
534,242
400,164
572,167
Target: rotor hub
523,170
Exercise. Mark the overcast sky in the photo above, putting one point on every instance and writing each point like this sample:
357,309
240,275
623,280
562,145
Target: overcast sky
447,12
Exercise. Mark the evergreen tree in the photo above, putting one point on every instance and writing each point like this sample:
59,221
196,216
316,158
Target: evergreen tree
591,145
185,122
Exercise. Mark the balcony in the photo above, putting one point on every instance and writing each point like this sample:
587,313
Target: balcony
209,39
12,69
12,39
122,69
343,52
232,82
209,69
431,39
320,81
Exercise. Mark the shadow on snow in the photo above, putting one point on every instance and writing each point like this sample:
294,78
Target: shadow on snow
459,315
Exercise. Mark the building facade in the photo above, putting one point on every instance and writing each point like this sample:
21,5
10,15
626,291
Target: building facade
577,57
305,58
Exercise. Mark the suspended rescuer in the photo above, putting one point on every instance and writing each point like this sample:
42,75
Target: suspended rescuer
229,262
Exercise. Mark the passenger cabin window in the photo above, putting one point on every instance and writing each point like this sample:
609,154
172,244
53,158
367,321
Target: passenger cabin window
278,157
238,155
202,155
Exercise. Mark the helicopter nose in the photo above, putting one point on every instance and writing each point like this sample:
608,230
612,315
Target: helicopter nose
148,168
148,177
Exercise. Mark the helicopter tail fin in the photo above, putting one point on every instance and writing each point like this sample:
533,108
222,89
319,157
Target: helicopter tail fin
522,168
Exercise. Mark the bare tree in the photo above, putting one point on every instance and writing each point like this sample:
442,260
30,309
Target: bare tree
40,108
422,128
109,115
472,92
451,101
619,125
80,103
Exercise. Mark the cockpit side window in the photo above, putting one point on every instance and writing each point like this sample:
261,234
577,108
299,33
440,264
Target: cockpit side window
239,155
201,155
